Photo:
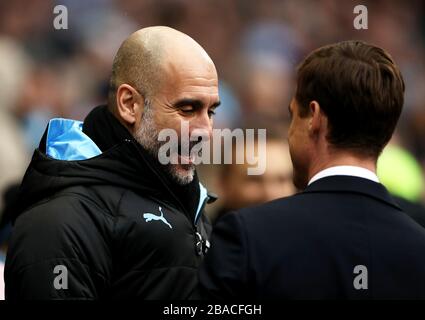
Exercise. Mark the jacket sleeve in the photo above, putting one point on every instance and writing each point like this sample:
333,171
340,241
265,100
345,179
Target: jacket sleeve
57,252
223,273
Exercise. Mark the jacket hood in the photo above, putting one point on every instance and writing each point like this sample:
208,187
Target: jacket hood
68,156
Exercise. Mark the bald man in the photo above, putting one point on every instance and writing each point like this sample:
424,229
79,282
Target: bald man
99,216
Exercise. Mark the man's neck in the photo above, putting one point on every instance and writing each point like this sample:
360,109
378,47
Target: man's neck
342,159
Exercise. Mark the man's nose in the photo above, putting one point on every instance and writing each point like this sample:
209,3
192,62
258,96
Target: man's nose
201,127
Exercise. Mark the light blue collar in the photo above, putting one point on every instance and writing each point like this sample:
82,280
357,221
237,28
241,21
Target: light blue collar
67,141
203,196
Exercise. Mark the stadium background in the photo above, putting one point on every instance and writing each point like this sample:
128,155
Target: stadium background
255,45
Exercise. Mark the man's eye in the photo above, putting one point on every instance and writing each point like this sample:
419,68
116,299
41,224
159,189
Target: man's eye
211,113
187,110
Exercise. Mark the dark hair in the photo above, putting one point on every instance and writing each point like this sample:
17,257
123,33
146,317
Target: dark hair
359,88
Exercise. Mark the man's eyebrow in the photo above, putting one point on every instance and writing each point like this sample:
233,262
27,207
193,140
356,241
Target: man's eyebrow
195,103
216,104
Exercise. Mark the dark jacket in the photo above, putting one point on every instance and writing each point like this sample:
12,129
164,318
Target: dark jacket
308,246
103,209
415,210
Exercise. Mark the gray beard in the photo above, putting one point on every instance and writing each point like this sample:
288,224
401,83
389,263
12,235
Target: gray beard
147,137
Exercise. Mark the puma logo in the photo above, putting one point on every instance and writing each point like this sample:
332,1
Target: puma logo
150,216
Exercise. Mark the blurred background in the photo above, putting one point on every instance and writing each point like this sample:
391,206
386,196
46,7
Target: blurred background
255,45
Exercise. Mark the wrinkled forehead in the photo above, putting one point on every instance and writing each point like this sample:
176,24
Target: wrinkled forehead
190,77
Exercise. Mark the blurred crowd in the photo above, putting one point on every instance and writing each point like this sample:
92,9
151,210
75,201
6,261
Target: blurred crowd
255,45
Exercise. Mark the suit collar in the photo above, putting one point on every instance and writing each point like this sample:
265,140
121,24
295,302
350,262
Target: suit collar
341,184
354,171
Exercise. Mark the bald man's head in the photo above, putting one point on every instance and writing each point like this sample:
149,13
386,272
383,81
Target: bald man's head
145,56
162,79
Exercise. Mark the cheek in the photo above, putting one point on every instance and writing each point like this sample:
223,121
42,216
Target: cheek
297,134
166,122
291,135
296,145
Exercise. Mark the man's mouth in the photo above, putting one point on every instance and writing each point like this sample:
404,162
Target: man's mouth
186,156
186,160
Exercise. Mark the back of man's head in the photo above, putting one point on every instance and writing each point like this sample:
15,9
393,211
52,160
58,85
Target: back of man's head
359,88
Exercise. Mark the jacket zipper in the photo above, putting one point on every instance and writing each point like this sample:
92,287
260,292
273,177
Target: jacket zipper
201,244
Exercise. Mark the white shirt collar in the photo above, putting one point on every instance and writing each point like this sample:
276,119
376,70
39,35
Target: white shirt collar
345,171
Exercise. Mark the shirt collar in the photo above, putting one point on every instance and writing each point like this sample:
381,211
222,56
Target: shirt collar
345,171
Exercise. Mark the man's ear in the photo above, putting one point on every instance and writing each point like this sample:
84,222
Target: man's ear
317,122
130,105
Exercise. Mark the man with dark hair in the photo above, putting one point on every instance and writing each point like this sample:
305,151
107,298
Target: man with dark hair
343,236
99,216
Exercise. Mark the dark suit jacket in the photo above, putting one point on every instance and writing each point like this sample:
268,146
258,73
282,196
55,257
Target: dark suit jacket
308,246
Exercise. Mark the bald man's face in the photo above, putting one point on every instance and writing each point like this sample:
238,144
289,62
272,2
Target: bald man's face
189,93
